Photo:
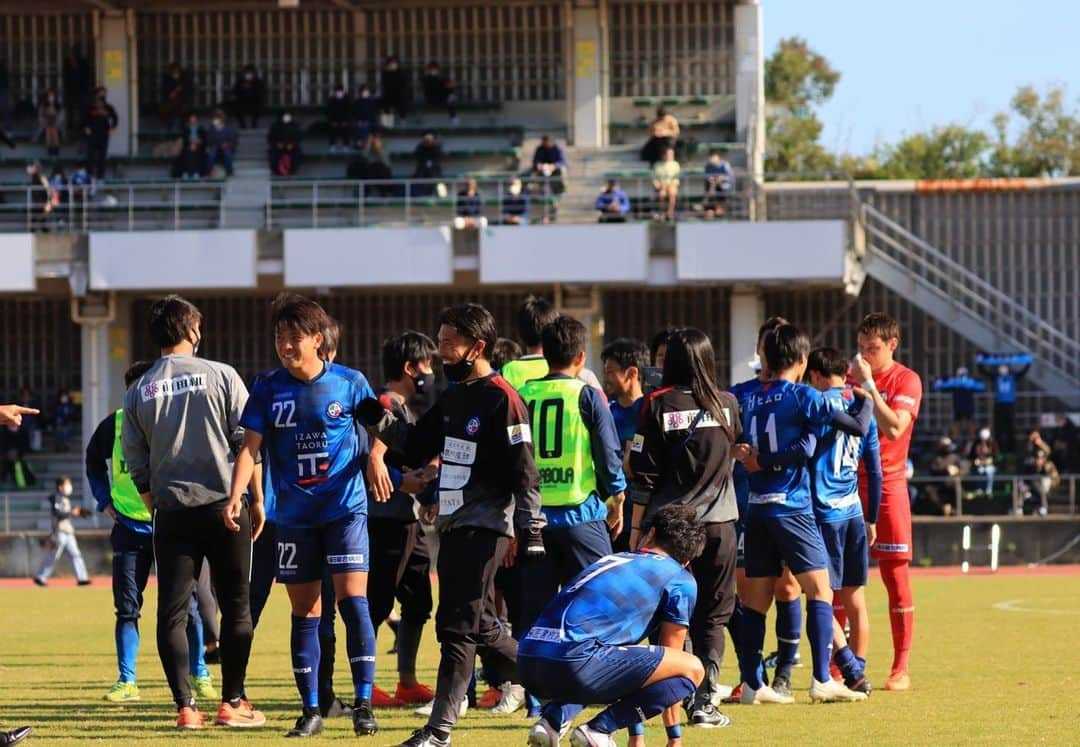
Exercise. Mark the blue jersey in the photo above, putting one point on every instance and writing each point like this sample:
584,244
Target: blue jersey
740,477
776,417
835,468
626,419
312,442
619,601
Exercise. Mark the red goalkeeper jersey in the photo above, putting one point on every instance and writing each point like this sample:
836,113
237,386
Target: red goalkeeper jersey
901,389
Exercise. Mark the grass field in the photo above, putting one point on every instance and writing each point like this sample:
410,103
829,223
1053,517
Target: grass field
982,673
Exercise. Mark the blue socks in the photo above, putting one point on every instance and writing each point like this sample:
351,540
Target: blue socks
751,639
360,643
648,702
819,628
196,652
788,633
557,714
851,666
127,648
304,644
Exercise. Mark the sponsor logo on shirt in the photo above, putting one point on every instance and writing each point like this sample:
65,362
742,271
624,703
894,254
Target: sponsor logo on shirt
519,434
897,547
458,450
177,385
348,559
681,420
903,399
453,477
552,635
334,410
638,444
472,426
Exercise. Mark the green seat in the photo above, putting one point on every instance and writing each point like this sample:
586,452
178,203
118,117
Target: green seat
698,101
671,102
643,102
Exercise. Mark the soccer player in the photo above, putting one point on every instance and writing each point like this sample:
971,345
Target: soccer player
846,531
780,529
533,315
896,392
576,448
305,413
400,561
489,504
584,650
624,360
682,454
181,426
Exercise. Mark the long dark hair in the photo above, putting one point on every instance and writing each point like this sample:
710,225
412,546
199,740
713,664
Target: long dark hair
691,363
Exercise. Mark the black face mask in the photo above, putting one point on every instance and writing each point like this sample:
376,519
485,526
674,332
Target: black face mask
458,372
425,394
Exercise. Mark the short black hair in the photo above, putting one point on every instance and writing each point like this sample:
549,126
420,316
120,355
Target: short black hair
769,325
505,350
172,319
563,339
474,322
659,340
784,346
533,315
408,347
331,338
679,533
62,479
293,311
135,372
827,362
626,353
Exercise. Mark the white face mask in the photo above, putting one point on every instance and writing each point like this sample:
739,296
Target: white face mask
287,118
515,189
984,434
65,490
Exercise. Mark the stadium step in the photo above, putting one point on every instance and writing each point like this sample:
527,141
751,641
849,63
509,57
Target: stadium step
968,304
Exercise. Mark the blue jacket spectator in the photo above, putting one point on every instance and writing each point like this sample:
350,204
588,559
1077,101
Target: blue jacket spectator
515,205
470,207
549,162
613,203
963,388
1004,370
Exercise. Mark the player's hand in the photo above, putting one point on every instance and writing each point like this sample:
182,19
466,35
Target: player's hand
615,514
871,534
635,539
257,512
379,478
13,414
414,481
741,452
511,554
428,514
232,513
111,513
860,371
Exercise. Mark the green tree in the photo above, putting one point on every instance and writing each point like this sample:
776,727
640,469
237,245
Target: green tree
945,152
796,80
1048,138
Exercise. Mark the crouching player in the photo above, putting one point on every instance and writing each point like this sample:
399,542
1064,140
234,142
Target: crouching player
305,413
583,648
838,509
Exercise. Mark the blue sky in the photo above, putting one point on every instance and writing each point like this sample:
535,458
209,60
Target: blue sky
907,65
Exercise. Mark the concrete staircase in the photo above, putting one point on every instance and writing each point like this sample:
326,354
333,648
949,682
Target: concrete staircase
247,192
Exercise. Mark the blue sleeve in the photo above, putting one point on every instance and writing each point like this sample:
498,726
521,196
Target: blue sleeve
799,452
857,422
361,390
816,409
395,476
601,201
98,452
606,446
872,461
254,415
679,599
624,201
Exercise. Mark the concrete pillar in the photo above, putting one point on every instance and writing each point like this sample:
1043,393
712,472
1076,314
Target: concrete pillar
588,91
750,84
747,314
118,73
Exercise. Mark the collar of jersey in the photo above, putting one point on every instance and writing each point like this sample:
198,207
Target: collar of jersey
325,370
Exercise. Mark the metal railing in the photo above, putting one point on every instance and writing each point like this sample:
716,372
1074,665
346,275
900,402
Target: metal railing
116,206
961,490
1021,328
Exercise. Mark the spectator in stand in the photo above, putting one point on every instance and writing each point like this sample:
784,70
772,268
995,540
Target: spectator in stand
82,183
100,123
470,208
1066,445
515,205
51,121
549,162
65,415
373,162
58,185
983,455
191,163
429,155
439,92
505,350
284,141
395,92
365,114
613,203
1004,370
938,497
663,134
666,182
177,96
719,184
221,141
77,81
1043,477
963,388
249,94
339,119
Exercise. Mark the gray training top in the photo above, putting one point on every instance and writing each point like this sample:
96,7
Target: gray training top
182,431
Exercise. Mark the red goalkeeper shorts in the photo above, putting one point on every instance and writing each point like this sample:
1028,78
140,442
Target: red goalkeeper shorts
894,521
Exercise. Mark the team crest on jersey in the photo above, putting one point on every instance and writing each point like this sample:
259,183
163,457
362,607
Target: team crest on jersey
335,409
472,426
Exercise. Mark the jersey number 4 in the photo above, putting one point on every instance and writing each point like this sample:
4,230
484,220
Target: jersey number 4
770,432
845,453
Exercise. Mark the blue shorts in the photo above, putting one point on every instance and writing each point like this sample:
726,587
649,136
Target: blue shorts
775,541
849,559
304,554
589,673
